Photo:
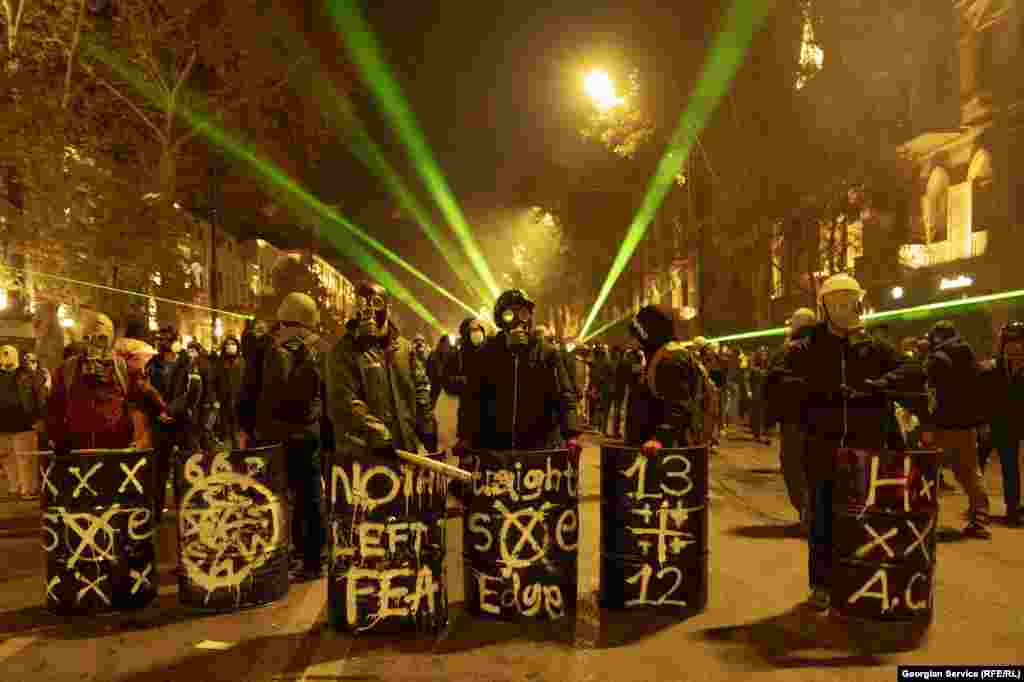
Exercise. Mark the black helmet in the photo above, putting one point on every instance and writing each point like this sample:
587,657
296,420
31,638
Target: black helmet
507,300
1013,331
942,331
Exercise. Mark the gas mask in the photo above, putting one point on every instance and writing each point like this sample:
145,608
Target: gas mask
8,358
844,309
515,321
1013,358
420,348
371,311
31,362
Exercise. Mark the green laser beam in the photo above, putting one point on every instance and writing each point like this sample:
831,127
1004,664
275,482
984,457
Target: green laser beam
914,311
604,328
727,53
281,180
370,154
196,306
363,48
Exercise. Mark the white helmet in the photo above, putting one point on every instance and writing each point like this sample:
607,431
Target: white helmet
835,283
299,308
802,317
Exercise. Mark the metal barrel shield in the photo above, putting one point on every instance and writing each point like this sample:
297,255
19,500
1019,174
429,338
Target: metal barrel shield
654,529
233,530
521,534
387,544
885,514
97,530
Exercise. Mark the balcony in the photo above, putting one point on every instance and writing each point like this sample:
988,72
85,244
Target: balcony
917,256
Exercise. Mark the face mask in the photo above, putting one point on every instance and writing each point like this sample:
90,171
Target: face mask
844,313
8,358
230,349
476,337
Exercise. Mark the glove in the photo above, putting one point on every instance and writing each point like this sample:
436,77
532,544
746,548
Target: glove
574,447
651,448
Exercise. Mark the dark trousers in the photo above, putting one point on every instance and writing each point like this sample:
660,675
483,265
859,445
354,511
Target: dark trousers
791,455
819,540
757,414
302,453
164,440
616,415
1009,459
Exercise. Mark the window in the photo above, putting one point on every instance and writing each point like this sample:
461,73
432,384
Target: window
983,200
936,206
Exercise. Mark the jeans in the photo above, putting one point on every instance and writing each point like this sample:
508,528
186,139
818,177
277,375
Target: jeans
819,540
1009,459
791,455
302,454
961,450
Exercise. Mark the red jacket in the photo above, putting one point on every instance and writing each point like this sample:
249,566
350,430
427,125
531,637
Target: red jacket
85,415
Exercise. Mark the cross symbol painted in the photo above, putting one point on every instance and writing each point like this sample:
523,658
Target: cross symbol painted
129,475
926,488
878,541
83,482
140,578
511,559
54,581
46,478
921,537
87,532
646,512
91,585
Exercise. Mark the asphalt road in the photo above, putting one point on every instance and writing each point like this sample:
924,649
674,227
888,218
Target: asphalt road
757,578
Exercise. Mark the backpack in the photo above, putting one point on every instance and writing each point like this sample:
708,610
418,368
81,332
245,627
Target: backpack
292,379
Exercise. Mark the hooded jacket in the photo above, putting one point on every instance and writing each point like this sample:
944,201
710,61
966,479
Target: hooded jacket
519,399
665,405
378,392
953,381
228,373
459,366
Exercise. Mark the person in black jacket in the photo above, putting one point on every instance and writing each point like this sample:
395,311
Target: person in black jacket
518,396
1004,386
460,365
828,380
619,380
226,384
664,410
954,415
792,441
435,363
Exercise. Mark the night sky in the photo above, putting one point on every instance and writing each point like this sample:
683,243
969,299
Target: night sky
497,88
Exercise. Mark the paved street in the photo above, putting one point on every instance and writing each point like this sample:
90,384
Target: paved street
758,574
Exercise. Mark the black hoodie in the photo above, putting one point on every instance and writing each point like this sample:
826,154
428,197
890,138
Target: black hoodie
666,410
953,375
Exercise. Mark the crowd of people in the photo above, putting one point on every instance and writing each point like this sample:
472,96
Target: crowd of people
831,385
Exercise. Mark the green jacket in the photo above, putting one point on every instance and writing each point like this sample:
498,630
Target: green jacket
379,392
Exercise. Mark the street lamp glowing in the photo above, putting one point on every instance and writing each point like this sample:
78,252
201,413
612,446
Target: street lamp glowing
897,292
599,87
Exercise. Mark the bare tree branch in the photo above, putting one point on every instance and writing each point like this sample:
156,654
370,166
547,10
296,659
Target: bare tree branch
13,24
135,108
186,72
65,100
